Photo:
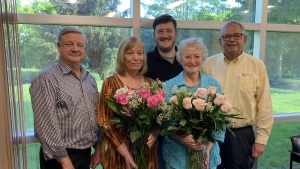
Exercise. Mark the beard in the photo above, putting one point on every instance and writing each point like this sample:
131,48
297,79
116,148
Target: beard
165,49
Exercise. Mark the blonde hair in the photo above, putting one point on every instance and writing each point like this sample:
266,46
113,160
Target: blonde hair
127,44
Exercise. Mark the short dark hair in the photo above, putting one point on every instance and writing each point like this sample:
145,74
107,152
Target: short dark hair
165,18
67,30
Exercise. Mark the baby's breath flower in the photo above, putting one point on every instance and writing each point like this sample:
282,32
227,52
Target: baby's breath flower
209,107
159,118
174,90
121,90
145,85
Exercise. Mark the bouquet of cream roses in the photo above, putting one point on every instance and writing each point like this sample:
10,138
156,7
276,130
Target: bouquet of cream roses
200,113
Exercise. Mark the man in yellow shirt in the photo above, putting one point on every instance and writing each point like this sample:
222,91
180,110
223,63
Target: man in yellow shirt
244,80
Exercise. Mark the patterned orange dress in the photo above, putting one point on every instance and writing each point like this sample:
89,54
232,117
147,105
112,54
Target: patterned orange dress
114,137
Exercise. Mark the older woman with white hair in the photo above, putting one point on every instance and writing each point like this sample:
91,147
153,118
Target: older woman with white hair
191,54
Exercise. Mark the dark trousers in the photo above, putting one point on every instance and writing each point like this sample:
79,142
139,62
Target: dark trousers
236,151
160,156
79,158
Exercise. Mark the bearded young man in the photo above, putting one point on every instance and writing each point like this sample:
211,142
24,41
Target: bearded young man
161,61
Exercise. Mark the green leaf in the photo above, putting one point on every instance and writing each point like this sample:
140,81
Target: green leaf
198,128
193,121
114,120
143,116
135,135
182,122
132,128
171,128
119,125
111,102
199,139
163,132
210,138
230,131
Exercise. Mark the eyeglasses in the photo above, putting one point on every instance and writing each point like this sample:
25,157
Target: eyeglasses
236,36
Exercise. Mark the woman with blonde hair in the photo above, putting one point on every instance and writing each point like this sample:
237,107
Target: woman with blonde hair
130,68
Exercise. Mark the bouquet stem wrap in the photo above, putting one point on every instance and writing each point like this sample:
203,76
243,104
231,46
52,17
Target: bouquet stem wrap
197,158
141,151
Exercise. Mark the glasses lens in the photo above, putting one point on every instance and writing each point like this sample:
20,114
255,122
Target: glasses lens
226,37
237,36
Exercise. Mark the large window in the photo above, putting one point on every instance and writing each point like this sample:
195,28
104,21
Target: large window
38,51
283,11
282,64
204,10
272,32
105,8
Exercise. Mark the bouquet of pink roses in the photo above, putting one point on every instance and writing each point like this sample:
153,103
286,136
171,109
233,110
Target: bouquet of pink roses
137,110
199,113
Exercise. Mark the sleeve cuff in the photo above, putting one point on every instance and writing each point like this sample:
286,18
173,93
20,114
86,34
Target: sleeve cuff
262,139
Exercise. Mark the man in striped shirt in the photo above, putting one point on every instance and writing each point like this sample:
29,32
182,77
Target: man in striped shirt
64,100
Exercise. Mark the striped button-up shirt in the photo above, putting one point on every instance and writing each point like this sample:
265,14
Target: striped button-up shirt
65,110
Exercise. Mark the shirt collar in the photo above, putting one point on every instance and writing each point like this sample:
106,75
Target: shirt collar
234,60
65,69
181,79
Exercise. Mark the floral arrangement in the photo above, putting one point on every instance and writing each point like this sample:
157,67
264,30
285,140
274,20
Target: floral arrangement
137,110
200,113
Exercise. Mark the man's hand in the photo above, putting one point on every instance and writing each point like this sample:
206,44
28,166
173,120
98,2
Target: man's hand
95,158
65,162
257,150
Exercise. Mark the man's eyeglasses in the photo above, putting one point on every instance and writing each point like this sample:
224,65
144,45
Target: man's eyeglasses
236,36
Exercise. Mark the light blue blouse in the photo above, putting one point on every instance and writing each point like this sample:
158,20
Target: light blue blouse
175,154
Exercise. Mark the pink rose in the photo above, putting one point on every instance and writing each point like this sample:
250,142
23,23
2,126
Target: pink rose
186,103
199,104
212,89
144,93
200,92
122,99
174,99
226,106
162,93
219,99
159,98
152,101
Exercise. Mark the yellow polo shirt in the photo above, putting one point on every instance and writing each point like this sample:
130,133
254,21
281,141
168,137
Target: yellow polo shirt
245,82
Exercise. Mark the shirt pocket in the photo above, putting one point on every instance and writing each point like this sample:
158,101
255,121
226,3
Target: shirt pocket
247,84
93,100
65,107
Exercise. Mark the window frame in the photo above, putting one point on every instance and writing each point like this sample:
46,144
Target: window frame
260,28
